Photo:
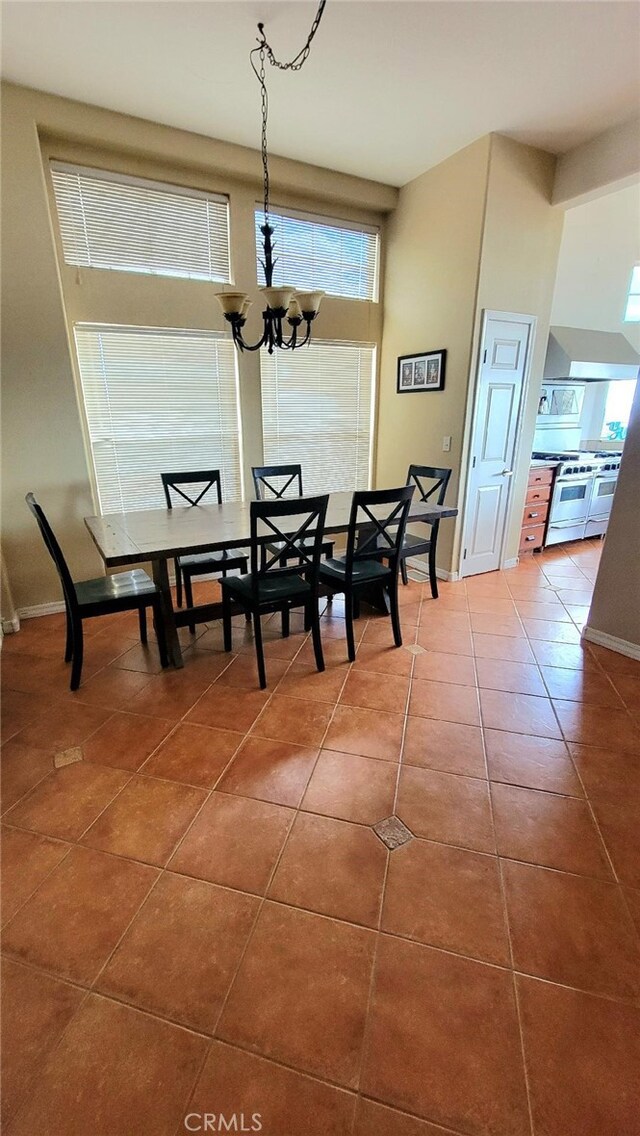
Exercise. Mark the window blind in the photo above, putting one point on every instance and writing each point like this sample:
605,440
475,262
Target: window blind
158,401
317,409
130,224
335,256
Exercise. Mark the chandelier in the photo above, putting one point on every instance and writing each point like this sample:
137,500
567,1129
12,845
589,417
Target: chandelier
282,303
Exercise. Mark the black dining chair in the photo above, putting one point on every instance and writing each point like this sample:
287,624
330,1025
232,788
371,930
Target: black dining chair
414,543
297,527
374,541
124,591
274,482
198,563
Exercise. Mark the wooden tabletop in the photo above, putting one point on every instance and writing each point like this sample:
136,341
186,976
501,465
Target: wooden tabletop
158,534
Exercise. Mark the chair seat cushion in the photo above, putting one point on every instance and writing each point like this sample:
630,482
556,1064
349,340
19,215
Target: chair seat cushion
120,586
334,570
413,540
271,588
216,561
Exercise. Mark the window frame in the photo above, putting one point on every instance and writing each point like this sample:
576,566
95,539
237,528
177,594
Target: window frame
633,293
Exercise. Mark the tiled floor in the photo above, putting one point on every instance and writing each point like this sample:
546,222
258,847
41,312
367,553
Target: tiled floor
198,917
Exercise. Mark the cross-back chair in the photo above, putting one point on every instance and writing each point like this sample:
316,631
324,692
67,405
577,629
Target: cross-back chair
274,482
123,591
431,485
193,487
377,526
295,528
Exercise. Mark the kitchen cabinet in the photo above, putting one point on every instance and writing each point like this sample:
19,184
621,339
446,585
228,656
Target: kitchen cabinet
536,508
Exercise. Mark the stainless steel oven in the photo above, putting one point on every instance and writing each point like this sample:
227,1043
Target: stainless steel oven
604,487
569,507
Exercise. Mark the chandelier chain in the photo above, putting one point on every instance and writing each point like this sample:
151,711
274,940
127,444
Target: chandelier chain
265,51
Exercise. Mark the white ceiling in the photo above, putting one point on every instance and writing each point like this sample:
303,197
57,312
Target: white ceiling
391,87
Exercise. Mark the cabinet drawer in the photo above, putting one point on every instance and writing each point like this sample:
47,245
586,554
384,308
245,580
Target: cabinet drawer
537,494
535,514
531,537
540,476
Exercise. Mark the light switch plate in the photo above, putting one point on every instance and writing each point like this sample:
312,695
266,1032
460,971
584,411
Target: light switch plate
446,443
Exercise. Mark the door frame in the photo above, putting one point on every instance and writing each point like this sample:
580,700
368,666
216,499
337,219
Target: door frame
505,317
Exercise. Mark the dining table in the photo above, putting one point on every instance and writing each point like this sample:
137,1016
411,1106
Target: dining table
156,536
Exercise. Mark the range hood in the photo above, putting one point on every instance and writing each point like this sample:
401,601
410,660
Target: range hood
576,354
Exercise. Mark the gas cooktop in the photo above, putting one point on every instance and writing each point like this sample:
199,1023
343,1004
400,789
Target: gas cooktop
582,461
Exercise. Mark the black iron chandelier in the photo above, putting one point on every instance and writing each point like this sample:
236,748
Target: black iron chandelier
282,303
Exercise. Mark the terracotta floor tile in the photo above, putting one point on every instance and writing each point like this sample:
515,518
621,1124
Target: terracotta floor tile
535,763
193,934
169,695
126,740
146,821
383,660
194,755
448,642
372,1117
446,897
275,647
19,712
583,1060
64,724
586,685
449,746
234,841
270,771
607,772
240,1083
74,920
628,687
35,1011
141,658
243,672
540,610
228,708
551,631
22,767
572,656
589,725
301,993
445,701
443,807
491,624
380,632
518,714
613,662
502,647
443,1041
332,867
349,787
572,930
440,666
543,828
112,688
486,604
68,800
514,678
112,1065
632,897
368,733
302,680
297,720
334,651
27,859
375,691
619,823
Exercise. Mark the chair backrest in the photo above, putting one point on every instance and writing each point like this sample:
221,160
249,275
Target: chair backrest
419,475
285,530
276,481
202,479
377,525
54,551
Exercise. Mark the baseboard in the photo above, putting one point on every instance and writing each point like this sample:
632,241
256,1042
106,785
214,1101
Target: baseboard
417,565
611,642
512,562
10,626
41,609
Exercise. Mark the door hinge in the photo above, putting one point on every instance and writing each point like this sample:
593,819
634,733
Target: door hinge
474,464
464,557
484,357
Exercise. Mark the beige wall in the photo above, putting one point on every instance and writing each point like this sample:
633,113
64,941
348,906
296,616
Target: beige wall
615,608
476,232
43,446
434,242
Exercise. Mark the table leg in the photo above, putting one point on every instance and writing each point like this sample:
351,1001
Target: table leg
161,580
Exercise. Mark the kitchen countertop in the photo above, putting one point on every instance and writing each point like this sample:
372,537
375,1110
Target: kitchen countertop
543,463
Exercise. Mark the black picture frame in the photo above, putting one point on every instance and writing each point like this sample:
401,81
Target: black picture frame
424,371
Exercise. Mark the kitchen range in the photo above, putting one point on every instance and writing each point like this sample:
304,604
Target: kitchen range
582,493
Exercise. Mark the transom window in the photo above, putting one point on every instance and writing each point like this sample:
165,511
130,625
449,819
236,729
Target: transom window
632,313
314,253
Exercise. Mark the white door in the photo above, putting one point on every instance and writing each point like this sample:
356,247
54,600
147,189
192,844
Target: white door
504,355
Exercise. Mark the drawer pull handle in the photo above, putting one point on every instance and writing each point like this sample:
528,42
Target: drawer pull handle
530,538
533,514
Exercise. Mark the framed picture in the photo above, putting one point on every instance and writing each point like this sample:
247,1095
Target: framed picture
423,372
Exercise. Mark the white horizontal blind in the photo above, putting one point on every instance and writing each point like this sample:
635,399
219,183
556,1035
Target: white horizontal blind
334,256
157,402
133,225
317,409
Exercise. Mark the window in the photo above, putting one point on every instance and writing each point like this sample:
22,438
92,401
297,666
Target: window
632,314
109,220
617,409
317,409
157,401
335,256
